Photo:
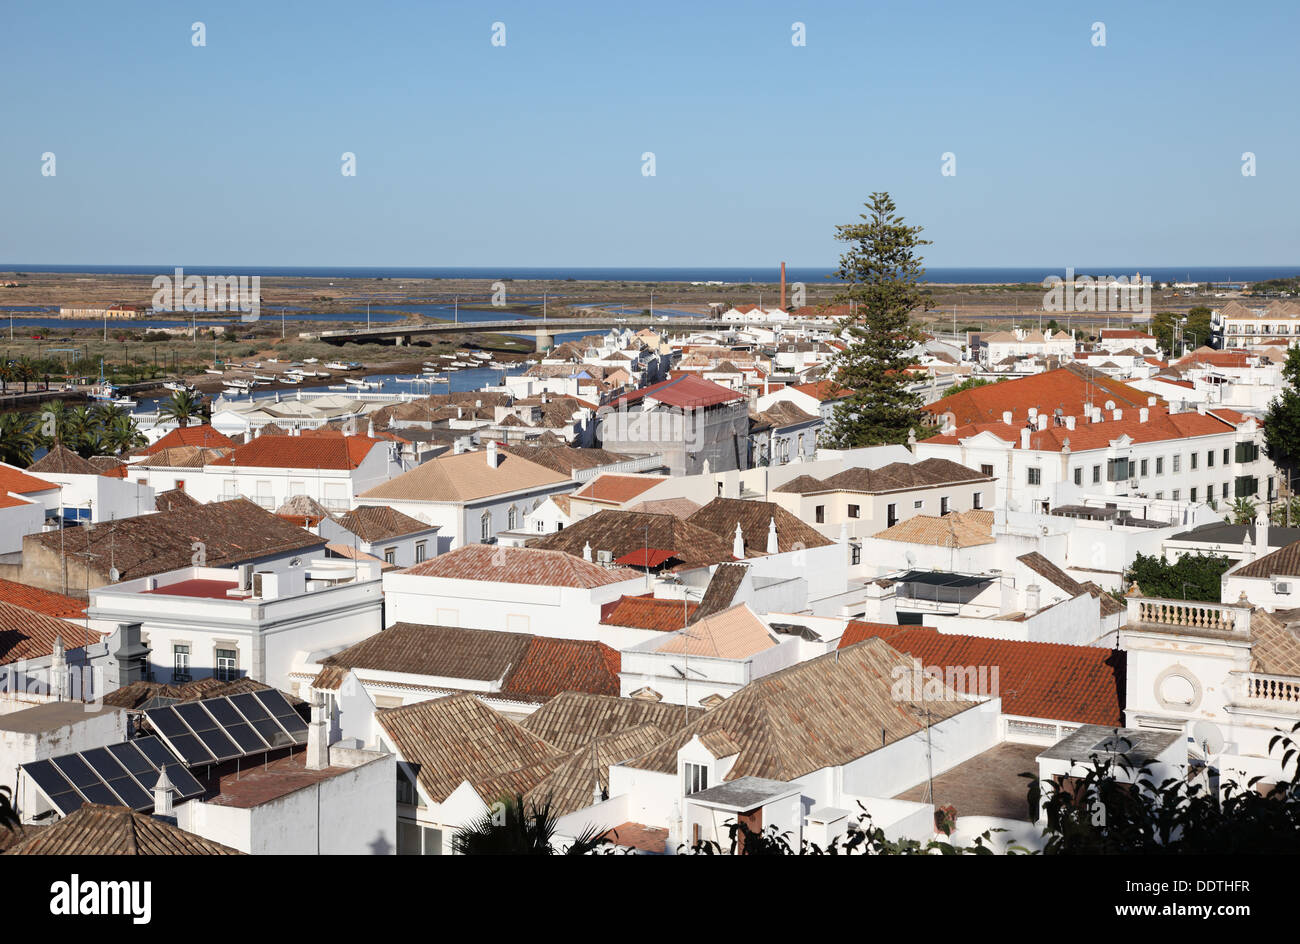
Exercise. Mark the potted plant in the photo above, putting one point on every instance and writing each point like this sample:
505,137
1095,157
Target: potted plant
945,819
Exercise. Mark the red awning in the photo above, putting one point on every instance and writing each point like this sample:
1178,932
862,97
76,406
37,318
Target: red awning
643,557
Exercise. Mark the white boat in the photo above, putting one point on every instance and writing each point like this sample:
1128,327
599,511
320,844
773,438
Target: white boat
312,360
362,385
237,384
448,357
273,360
333,365
209,370
290,379
337,387
263,377
460,364
177,386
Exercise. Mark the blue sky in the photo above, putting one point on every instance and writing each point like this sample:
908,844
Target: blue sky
530,154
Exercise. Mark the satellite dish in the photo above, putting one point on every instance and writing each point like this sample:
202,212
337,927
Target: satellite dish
1208,735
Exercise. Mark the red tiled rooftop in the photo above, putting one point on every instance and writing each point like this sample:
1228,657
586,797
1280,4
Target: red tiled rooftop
824,390
639,836
1086,435
1066,388
647,613
645,557
685,392
209,589
260,784
41,601
18,481
551,666
204,436
1081,684
617,489
301,452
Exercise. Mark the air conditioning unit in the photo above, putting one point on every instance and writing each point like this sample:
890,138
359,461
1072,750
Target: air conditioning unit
1282,586
1132,483
605,558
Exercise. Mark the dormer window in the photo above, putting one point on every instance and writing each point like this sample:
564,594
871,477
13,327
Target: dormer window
695,779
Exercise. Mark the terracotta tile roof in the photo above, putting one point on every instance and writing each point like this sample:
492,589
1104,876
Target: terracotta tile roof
140,693
960,529
182,457
61,460
172,500
459,739
551,666
820,713
621,532
571,720
1067,387
28,634
617,489
567,459
258,784
1276,647
525,565
110,466
677,507
1051,573
42,601
573,784
1081,684
444,651
783,413
648,839
1086,436
721,516
824,390
647,612
303,511
1284,562
114,830
467,477
687,391
735,633
721,591
19,482
896,476
380,523
204,436
231,532
302,452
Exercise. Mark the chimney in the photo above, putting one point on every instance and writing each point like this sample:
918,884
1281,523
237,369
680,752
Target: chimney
738,544
1144,414
1042,421
1031,598
1069,422
1247,549
162,798
1033,415
370,428
492,453
586,552
1006,417
1024,437
1151,401
1261,532
783,286
58,669
318,741
772,544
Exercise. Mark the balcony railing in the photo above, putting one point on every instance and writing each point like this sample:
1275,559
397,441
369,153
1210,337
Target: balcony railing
1181,614
1274,691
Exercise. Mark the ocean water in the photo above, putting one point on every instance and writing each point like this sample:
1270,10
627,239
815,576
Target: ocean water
727,274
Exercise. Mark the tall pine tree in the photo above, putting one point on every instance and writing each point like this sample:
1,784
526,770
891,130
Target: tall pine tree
1282,421
881,270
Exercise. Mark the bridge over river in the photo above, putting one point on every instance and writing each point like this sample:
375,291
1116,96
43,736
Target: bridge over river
543,329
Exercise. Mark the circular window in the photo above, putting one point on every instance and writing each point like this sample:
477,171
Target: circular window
1178,689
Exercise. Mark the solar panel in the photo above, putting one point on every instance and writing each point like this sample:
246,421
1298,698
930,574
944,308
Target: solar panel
233,723
183,782
159,757
99,793
118,778
129,756
284,713
54,785
261,720
190,749
77,771
194,714
154,751
166,722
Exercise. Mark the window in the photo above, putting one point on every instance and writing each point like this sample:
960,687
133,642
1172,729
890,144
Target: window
1118,470
820,514
390,555
1096,474
1209,492
1195,456
227,664
1160,465
855,554
180,663
512,518
943,505
891,515
1247,452
413,839
855,511
1159,495
1143,468
1209,458
420,547
1225,456
1035,476
1178,461
986,470
918,505
406,792
229,489
1078,475
1193,494
1178,494
485,527
977,501
697,778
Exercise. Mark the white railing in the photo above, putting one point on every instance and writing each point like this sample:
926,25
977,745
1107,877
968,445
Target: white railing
1184,614
1276,690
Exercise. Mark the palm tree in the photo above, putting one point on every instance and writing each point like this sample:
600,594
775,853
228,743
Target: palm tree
53,425
1243,511
510,829
17,438
182,406
6,375
121,435
83,431
25,371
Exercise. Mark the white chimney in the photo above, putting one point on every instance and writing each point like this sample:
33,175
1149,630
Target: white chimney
1261,532
772,544
162,797
1031,598
492,453
318,740
58,669
1247,549
1144,414
1024,437
738,544
586,552
1042,421
1069,422
370,428
1151,401
1006,417
1117,414
1033,414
